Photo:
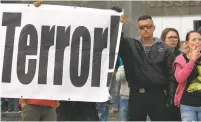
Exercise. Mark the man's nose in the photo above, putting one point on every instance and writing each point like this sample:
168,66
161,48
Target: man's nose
145,29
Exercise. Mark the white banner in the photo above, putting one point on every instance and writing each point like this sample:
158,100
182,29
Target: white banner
57,52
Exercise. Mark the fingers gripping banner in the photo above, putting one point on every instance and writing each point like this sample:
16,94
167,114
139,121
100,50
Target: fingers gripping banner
57,52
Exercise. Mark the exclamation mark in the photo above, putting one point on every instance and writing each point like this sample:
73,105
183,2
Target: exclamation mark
114,29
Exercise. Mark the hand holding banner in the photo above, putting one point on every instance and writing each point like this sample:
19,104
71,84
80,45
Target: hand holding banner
64,53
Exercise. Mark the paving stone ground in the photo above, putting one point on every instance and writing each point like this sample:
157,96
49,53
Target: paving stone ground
15,116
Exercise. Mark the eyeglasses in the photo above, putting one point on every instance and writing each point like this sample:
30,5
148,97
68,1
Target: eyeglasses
172,37
142,27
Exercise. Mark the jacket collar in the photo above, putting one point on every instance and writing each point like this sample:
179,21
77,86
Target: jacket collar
180,59
155,40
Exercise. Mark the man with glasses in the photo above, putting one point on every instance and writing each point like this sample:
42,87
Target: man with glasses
148,69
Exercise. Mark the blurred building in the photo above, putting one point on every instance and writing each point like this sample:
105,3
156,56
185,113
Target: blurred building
133,9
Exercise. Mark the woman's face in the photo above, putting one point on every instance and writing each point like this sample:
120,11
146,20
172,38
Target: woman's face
194,40
171,39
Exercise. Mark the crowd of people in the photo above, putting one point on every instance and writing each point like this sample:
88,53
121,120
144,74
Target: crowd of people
155,77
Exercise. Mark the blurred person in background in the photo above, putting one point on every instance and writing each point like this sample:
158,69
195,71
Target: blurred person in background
123,92
170,37
13,104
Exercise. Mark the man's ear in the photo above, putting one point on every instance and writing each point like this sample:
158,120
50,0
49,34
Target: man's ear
138,30
154,27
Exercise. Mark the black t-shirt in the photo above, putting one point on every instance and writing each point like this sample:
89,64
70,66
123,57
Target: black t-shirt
193,98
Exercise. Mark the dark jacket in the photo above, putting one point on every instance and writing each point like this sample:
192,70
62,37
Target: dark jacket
176,52
174,85
152,69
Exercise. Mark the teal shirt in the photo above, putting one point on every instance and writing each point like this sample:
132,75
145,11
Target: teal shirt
120,62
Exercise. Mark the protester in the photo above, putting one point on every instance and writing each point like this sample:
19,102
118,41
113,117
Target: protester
115,87
170,37
82,111
13,105
38,110
103,110
4,104
113,103
77,111
188,74
148,69
124,92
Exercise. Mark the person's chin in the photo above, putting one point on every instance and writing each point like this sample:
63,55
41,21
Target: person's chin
173,46
147,36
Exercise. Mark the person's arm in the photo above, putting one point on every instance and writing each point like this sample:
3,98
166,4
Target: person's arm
122,46
182,73
170,60
124,53
118,82
171,88
120,75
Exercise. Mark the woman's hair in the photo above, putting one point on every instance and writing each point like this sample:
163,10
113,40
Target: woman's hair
189,33
186,48
166,31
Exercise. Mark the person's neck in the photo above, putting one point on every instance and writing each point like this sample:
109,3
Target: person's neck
147,41
189,55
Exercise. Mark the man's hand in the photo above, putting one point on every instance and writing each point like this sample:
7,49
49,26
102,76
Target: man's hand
123,19
117,9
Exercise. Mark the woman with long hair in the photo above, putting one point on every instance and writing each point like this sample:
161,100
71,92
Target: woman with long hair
188,75
170,37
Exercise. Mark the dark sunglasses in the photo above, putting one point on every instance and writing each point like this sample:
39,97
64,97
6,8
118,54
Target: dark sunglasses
142,27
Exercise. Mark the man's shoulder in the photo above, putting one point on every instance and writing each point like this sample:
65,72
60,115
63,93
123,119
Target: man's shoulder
163,45
130,40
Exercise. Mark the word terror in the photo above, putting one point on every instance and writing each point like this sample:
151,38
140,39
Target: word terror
28,46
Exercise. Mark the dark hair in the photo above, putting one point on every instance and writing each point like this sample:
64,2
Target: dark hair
166,31
189,33
144,17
